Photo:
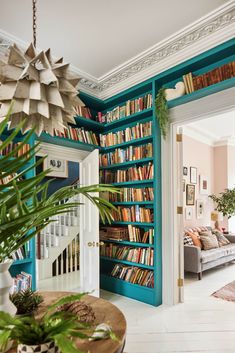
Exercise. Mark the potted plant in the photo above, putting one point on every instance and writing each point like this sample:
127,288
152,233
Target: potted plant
51,332
26,301
25,206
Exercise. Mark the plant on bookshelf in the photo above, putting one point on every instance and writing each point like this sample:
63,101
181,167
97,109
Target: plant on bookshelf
162,111
25,206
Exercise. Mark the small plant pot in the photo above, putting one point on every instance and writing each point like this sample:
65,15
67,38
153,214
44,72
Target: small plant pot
49,347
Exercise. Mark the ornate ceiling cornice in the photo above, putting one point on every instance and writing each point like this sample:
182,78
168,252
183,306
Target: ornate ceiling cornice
211,30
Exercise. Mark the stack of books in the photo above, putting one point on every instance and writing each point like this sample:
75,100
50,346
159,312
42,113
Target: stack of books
114,233
139,235
133,214
132,194
145,172
131,133
142,256
79,134
130,107
84,112
21,253
134,275
222,73
12,146
21,282
8,178
124,155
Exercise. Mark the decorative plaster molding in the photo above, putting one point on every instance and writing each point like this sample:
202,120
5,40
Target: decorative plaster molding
205,33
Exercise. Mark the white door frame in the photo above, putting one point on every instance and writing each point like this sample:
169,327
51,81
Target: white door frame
205,107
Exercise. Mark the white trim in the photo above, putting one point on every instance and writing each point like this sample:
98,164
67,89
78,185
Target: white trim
209,31
190,112
67,153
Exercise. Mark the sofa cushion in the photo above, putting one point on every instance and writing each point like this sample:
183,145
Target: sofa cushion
221,238
209,240
230,249
213,254
195,238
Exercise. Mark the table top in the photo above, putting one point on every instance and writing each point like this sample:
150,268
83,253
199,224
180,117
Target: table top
105,312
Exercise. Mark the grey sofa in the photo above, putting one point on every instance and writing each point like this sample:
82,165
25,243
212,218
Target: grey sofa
197,260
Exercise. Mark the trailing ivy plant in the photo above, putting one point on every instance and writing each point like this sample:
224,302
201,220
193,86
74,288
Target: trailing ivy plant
162,112
225,202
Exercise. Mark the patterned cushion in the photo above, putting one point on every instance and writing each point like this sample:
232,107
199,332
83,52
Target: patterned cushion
221,238
188,240
195,238
209,240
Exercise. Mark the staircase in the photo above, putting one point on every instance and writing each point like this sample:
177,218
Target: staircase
58,245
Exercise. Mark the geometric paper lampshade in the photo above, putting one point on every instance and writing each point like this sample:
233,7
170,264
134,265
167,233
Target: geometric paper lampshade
42,90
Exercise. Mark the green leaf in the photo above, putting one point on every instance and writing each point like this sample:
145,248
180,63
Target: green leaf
65,344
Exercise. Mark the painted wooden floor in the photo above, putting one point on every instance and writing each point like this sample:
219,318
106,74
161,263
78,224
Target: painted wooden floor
202,324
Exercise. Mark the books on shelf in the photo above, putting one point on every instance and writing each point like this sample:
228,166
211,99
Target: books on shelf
133,194
134,275
85,112
133,214
143,256
193,83
21,282
140,130
79,134
8,178
144,172
132,153
12,146
21,253
129,233
130,107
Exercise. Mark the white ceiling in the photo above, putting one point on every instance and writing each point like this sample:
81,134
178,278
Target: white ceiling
98,35
215,129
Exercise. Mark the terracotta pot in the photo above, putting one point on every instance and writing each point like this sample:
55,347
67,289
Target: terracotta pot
6,283
49,347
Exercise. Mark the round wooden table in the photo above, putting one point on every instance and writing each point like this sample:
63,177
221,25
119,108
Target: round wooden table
105,312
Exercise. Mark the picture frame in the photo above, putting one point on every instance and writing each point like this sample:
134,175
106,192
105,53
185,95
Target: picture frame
199,209
193,175
190,195
185,171
188,213
58,167
203,185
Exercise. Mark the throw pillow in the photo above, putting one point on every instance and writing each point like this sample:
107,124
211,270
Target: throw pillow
187,240
209,241
222,240
195,238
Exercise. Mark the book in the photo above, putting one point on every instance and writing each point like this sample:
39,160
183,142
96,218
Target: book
134,275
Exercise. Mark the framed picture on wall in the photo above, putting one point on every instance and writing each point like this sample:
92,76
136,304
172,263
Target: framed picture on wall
203,183
58,167
193,175
185,171
188,213
199,209
190,195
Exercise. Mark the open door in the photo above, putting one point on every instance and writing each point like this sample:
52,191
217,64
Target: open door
89,228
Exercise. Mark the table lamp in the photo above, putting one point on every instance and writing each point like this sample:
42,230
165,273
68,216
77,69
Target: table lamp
217,217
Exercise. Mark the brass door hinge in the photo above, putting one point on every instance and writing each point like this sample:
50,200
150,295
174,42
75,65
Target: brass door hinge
180,282
179,137
179,210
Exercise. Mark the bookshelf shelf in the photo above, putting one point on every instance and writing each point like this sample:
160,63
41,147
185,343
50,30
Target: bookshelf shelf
125,164
89,124
129,119
134,142
135,182
129,203
131,243
143,224
129,263
22,261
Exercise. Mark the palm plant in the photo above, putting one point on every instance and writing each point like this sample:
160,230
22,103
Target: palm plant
25,205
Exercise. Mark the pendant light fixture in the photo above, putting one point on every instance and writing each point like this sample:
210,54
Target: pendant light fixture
43,91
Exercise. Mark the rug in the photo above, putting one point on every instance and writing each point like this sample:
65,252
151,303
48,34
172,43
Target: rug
226,293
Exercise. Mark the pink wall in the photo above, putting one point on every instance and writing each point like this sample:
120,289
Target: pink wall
199,155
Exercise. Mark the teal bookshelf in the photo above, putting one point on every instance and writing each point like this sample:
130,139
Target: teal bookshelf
128,163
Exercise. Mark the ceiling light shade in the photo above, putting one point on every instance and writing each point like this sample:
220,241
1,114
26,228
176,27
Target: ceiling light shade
42,90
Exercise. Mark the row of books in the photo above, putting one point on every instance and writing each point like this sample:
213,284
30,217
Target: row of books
134,275
79,134
132,194
129,233
21,282
83,111
133,214
224,72
7,179
21,253
130,107
12,146
131,133
142,256
132,153
144,172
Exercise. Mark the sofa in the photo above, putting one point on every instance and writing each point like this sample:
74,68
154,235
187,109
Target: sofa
197,260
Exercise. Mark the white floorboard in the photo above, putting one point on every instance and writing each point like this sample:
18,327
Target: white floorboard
202,324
